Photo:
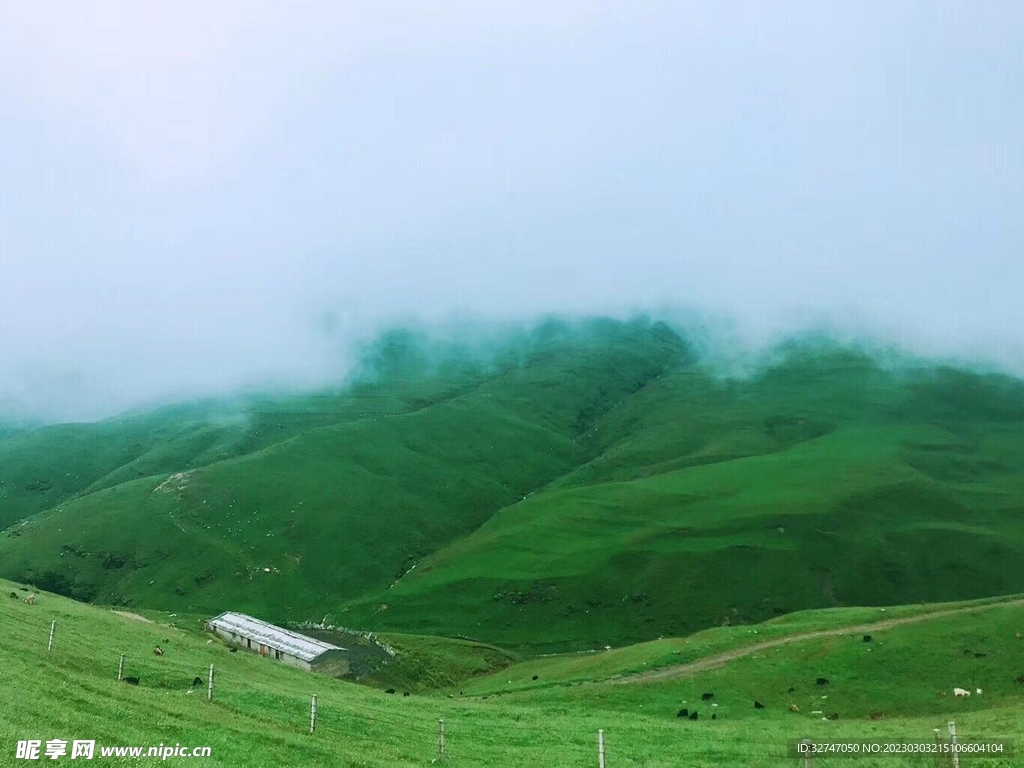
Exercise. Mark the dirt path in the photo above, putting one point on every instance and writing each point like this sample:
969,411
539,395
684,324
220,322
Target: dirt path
130,615
720,659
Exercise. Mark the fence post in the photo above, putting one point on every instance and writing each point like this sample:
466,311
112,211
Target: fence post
440,739
312,715
120,668
953,744
808,755
209,688
49,644
600,748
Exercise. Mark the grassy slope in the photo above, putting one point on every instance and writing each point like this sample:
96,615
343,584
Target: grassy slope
47,466
655,495
339,509
260,713
827,481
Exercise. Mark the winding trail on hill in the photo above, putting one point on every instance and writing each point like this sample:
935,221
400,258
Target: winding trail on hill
720,659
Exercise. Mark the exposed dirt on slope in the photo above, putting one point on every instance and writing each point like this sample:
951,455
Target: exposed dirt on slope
130,615
720,659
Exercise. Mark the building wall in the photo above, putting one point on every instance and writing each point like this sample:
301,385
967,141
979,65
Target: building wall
240,641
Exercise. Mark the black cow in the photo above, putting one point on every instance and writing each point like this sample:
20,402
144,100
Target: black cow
535,677
714,715
834,716
693,715
132,680
707,696
390,690
197,681
822,681
683,712
406,693
867,638
758,705
792,689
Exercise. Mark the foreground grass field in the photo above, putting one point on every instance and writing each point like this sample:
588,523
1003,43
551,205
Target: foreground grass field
260,713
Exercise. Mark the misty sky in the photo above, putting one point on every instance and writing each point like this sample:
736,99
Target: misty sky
199,196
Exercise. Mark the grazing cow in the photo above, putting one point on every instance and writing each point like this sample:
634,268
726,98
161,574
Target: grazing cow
978,691
980,655
132,680
714,715
14,595
794,708
961,692
834,716
792,689
234,650
158,651
758,705
821,681
406,693
707,696
867,638
209,642
684,712
535,677
390,690
196,681
1019,678
693,715
31,599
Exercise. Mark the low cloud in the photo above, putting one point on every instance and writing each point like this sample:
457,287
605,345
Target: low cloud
198,200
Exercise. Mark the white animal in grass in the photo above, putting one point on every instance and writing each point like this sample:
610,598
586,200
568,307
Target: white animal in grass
961,692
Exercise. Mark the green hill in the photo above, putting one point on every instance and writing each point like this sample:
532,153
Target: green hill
575,486
324,512
825,481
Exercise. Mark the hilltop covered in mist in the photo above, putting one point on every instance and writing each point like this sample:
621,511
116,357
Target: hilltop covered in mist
566,485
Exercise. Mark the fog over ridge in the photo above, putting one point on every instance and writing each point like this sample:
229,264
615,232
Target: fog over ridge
198,200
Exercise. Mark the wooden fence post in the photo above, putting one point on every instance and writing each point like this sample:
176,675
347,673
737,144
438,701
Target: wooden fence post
953,744
600,748
440,739
209,687
49,644
312,715
120,668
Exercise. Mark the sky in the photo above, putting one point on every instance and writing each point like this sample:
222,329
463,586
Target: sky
197,197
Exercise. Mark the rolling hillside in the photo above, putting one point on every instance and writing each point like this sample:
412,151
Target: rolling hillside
325,512
577,486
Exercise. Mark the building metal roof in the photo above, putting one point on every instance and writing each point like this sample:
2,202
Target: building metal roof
284,640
